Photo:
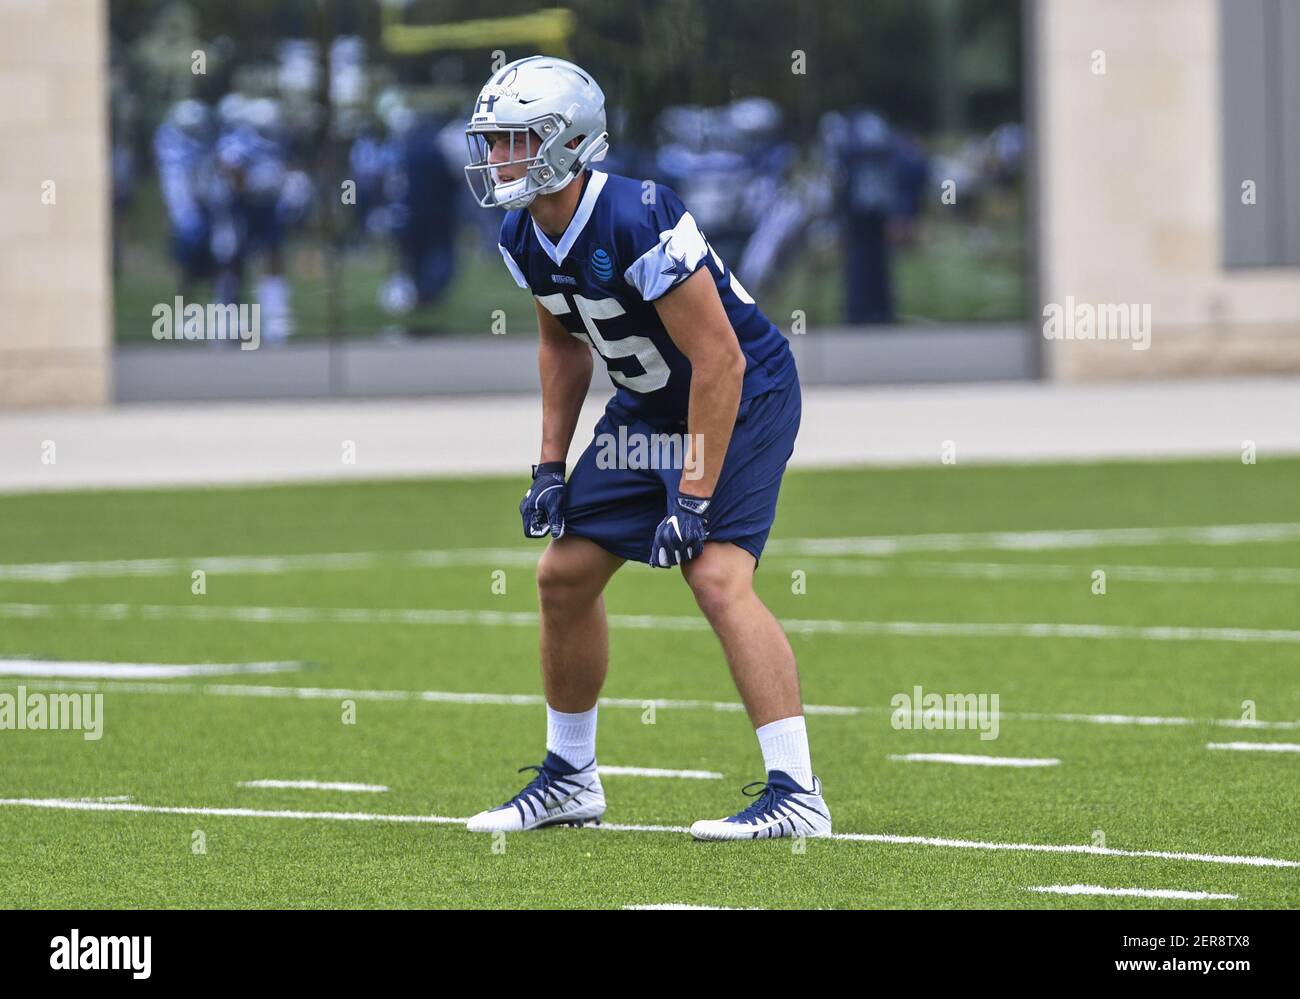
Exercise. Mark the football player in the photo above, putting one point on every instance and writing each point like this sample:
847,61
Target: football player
619,266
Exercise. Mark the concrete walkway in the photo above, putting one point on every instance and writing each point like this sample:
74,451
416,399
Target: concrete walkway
247,442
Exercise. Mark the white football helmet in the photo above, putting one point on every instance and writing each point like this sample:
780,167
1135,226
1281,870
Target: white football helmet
550,98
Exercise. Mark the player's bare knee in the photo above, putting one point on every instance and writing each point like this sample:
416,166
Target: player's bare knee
562,582
716,585
554,577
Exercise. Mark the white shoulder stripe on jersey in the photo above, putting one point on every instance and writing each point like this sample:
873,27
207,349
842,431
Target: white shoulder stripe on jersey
683,242
513,267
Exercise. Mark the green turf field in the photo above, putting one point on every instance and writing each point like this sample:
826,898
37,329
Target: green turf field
1192,625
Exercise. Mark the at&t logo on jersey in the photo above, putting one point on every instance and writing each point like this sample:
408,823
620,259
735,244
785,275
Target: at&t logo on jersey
601,265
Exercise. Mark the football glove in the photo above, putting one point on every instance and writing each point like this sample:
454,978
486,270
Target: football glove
680,536
543,505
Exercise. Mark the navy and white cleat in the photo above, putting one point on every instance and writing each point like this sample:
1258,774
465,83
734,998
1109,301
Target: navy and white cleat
558,795
781,808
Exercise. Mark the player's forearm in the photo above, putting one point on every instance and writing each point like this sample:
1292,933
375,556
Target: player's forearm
715,398
566,375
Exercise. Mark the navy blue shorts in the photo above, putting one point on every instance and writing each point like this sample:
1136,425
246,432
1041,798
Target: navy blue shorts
619,508
263,229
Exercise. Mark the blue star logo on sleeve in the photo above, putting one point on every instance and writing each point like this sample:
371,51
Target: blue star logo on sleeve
678,270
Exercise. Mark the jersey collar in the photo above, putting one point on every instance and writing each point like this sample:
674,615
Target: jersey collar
586,206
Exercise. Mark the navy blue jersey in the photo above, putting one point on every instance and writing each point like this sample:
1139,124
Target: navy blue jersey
182,161
601,279
260,160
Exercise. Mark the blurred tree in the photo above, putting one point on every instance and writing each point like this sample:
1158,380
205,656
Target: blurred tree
887,54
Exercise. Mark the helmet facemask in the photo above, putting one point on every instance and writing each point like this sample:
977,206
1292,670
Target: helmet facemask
485,181
546,171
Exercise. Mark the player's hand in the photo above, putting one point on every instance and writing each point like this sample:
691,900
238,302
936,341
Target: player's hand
543,505
680,535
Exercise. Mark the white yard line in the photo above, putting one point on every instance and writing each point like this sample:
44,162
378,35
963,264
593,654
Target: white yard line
1134,892
675,906
966,759
68,804
877,545
1217,534
1098,851
636,704
657,772
648,622
1115,719
58,572
1030,570
135,671
1258,747
315,785
238,813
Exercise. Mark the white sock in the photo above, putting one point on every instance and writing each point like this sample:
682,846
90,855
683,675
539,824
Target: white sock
571,735
273,296
785,747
